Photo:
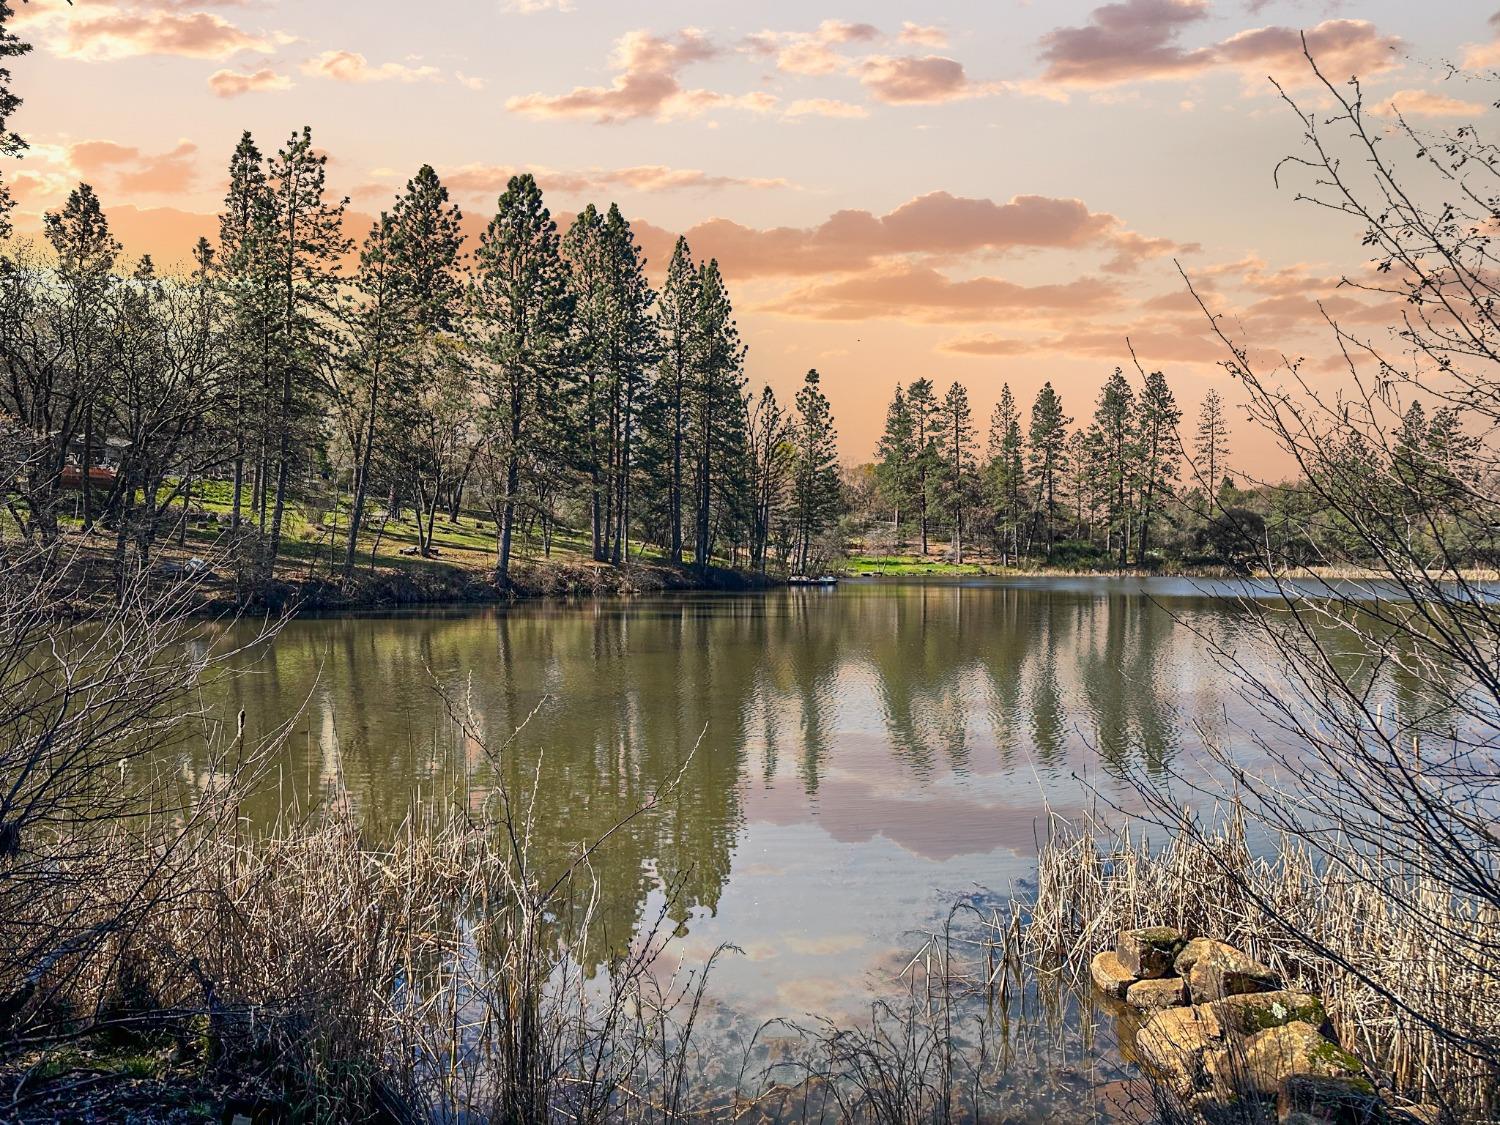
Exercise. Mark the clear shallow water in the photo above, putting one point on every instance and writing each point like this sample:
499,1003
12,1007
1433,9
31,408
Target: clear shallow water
860,757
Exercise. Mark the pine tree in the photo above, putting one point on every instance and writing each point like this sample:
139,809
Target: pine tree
618,343
400,373
815,473
717,415
958,459
1115,423
1157,442
526,308
1006,472
1211,443
244,226
668,418
895,452
11,144
1048,440
86,252
303,244
1081,456
926,461
770,434
428,420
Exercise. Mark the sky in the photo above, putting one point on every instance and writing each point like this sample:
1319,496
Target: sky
986,191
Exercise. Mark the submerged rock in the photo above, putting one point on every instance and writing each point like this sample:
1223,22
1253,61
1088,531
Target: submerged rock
1148,953
1110,976
1154,995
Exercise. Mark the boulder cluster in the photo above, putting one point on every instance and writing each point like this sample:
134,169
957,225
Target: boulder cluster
1222,1032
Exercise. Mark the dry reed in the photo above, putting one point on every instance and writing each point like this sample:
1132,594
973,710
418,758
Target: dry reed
1093,882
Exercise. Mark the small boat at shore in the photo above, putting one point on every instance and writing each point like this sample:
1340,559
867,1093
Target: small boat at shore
808,580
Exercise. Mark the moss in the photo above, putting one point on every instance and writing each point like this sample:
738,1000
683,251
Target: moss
1263,1016
1161,937
1336,1058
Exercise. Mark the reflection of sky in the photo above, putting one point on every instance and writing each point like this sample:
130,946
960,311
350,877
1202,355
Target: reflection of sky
871,754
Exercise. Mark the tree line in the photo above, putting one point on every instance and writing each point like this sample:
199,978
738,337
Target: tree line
1039,481
536,376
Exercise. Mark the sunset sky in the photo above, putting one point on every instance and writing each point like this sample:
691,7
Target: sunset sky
979,191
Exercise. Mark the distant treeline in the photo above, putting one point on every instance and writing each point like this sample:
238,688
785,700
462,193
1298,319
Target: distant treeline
1128,488
536,376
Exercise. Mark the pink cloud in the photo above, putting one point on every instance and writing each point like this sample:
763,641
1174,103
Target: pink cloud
912,80
825,107
133,171
351,66
1429,103
101,31
923,36
646,84
1138,40
905,291
488,180
233,83
936,225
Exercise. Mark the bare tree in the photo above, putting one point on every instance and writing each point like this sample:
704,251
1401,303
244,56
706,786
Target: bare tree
1379,679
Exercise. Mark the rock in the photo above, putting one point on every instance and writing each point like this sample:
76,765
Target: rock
1110,976
1173,1043
1147,954
1154,995
1332,1100
1295,1051
1250,1012
1188,956
1216,970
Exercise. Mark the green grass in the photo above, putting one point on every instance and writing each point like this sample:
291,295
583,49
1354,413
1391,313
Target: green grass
897,565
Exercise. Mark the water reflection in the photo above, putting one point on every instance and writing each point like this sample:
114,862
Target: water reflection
847,757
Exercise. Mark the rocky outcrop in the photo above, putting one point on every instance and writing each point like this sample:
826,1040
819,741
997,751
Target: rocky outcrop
1221,1033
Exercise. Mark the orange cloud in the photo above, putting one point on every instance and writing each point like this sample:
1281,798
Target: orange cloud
1485,56
351,66
132,170
923,36
233,83
938,225
989,345
1185,340
488,180
811,53
102,31
1137,40
904,291
1428,103
912,80
646,84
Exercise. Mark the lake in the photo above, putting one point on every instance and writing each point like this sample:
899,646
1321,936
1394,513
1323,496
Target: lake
852,761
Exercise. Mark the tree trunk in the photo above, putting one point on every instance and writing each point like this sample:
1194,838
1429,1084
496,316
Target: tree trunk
508,517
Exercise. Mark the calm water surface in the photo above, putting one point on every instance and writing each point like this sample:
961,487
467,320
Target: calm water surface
860,757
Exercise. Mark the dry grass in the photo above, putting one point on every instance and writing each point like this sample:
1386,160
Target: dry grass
1093,882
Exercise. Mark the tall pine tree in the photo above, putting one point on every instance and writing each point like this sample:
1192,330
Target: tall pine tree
815,473
526,308
1048,441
